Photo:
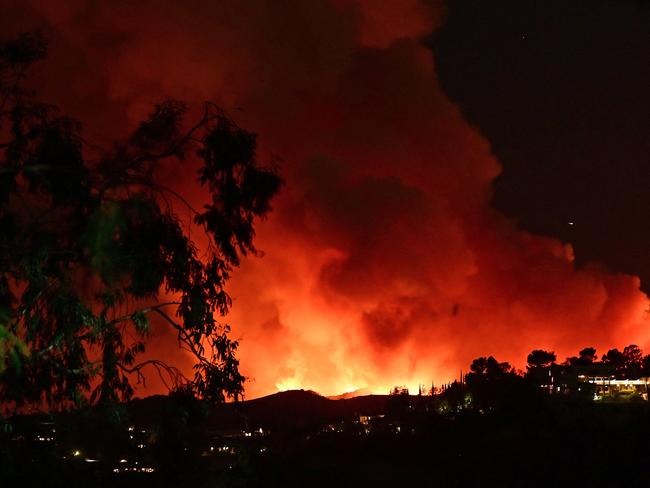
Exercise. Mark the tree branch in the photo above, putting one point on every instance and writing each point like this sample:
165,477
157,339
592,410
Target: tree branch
175,374
183,336
171,151
146,310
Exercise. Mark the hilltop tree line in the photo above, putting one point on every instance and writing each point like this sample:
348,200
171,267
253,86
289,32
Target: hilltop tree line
629,363
492,385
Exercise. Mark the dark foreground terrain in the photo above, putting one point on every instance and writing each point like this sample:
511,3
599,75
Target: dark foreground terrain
302,439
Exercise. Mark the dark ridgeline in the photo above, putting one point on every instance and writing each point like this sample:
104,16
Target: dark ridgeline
551,425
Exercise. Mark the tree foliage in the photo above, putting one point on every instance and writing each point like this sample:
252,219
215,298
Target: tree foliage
615,358
89,246
494,385
540,358
488,368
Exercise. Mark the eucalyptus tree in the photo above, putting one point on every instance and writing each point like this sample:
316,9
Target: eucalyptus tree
92,248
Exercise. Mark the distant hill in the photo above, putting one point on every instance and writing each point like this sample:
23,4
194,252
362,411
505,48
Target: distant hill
305,408
293,408
284,411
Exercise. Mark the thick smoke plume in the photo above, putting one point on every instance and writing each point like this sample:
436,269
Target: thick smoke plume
383,261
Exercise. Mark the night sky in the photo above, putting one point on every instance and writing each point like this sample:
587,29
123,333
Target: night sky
560,89
435,158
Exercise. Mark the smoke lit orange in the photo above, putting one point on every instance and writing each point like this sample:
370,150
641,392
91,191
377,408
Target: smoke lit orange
384,263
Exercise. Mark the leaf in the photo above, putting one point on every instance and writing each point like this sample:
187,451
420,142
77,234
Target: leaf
141,322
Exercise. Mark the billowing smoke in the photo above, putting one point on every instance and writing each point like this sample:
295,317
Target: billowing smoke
383,261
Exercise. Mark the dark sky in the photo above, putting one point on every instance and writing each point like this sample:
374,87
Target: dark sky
561,90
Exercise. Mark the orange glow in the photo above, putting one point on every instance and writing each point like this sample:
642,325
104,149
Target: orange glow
384,263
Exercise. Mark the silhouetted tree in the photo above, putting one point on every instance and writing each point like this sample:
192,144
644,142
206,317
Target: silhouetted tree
585,357
632,354
633,357
615,359
488,368
87,246
588,354
494,385
540,363
645,365
540,359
